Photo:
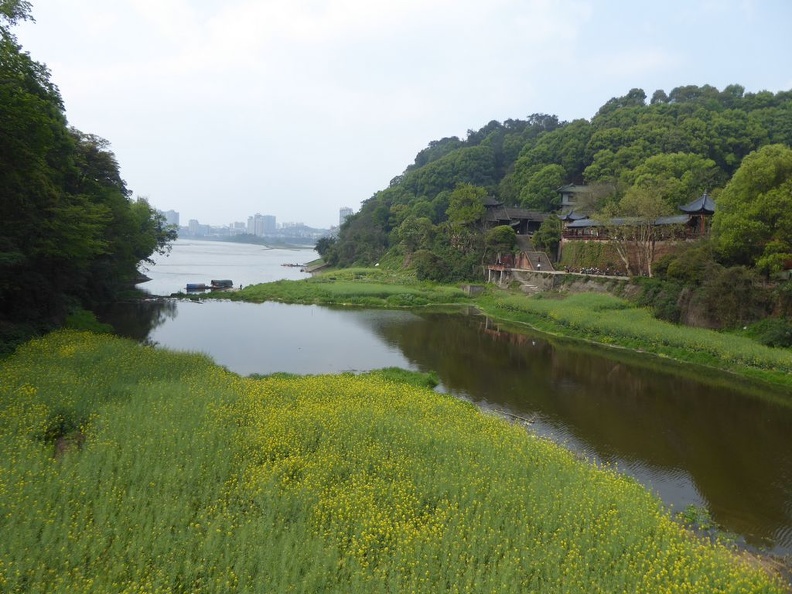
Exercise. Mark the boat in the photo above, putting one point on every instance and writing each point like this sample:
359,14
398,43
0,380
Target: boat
222,284
197,287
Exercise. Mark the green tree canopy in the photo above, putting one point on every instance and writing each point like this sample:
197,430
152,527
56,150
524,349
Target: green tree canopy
681,143
548,236
69,231
677,178
753,222
466,217
500,240
541,190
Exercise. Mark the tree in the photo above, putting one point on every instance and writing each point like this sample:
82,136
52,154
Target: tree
415,233
11,12
677,178
465,217
69,233
548,236
632,227
753,221
540,192
324,244
500,240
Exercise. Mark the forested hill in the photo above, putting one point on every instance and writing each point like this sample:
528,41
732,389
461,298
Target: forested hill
70,232
679,144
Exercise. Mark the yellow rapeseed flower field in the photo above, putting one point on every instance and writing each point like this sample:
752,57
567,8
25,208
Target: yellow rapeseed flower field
126,468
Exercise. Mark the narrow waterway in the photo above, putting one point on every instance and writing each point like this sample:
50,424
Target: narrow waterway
693,438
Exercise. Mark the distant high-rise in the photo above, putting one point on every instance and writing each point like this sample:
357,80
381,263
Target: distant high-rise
269,224
261,225
171,217
343,213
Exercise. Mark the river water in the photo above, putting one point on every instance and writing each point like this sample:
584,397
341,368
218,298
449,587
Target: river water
694,438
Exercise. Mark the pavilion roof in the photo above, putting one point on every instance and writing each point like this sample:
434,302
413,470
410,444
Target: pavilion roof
704,204
584,223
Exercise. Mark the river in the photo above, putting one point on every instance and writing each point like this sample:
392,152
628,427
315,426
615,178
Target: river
694,438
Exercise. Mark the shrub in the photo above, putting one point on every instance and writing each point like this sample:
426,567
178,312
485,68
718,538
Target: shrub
734,297
772,332
662,297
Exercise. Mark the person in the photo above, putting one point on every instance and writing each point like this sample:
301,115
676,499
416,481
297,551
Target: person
539,266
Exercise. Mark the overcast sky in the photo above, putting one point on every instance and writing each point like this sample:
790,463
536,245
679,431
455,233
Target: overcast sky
295,108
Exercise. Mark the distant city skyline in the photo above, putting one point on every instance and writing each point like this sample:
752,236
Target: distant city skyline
267,222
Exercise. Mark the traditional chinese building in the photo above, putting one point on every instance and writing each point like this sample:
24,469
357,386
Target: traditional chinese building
522,220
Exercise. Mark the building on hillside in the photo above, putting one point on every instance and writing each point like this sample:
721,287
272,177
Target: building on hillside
572,196
692,224
522,220
700,212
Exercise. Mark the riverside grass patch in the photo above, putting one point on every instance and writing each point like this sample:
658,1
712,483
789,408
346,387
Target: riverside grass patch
179,476
365,287
613,321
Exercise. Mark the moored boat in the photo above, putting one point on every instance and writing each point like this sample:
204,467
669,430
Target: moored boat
222,284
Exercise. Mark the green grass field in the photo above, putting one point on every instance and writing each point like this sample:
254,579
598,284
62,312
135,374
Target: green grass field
364,287
130,469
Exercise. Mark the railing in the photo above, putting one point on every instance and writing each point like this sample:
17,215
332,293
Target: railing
603,235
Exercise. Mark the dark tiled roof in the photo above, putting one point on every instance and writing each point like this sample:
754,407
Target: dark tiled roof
489,202
524,213
584,223
512,215
571,215
701,205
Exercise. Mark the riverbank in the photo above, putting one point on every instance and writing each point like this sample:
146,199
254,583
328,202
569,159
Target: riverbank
593,317
127,467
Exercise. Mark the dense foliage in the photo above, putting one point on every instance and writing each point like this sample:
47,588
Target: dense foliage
70,233
131,469
672,147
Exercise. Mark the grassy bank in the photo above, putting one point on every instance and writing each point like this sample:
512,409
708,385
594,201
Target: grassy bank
365,287
612,321
130,469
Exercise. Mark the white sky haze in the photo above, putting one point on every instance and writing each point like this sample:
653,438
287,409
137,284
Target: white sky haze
295,108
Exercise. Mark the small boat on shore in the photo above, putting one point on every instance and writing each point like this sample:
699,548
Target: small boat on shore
197,287
222,284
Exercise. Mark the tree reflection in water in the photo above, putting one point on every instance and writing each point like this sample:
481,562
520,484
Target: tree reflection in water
137,319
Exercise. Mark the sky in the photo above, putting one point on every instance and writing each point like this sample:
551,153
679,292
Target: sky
296,108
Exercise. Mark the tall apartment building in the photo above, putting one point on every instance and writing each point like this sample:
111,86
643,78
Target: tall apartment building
171,217
343,213
260,225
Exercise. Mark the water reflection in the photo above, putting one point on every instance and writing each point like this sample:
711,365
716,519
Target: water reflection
138,319
692,442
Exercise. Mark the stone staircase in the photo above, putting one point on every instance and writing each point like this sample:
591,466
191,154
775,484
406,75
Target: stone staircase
533,259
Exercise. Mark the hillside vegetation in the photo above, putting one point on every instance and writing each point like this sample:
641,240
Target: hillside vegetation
676,145
639,158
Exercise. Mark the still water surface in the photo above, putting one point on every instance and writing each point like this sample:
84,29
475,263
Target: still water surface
692,439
